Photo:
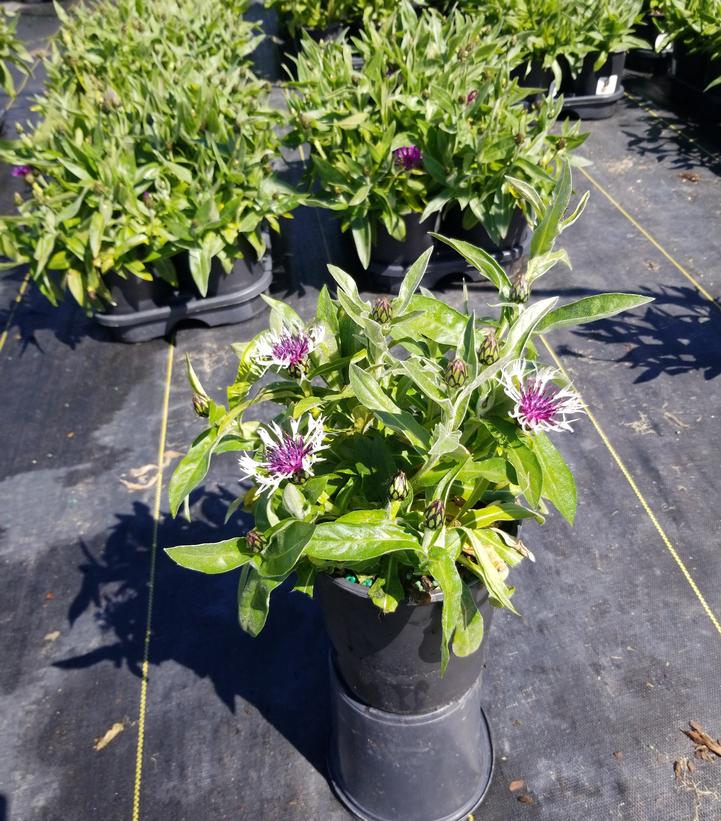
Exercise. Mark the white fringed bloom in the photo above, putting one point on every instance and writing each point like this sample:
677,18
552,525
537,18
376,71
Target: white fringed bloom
290,348
539,404
285,455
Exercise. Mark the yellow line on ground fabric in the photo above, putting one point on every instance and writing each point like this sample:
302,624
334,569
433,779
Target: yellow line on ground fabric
656,244
151,586
646,506
672,126
20,294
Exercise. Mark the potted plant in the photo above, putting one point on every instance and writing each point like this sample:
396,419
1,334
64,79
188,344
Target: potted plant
574,48
693,28
431,124
324,19
12,52
410,441
148,186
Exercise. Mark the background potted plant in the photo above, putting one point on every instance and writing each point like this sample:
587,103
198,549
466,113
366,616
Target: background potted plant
410,442
323,19
693,28
152,175
577,48
12,52
431,123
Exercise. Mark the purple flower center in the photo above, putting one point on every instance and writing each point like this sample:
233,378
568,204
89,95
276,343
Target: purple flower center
20,170
408,157
286,459
537,406
292,348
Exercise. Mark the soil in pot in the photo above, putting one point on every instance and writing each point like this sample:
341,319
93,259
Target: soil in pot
452,226
392,661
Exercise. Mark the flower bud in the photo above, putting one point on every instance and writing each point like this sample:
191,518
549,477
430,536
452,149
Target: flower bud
456,373
488,352
382,310
435,514
399,487
201,404
255,540
520,289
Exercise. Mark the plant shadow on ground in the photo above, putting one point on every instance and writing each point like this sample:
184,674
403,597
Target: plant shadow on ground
686,146
33,315
283,672
679,332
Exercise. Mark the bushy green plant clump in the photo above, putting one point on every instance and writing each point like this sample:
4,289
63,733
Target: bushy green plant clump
432,120
411,438
694,23
546,30
149,146
322,15
12,52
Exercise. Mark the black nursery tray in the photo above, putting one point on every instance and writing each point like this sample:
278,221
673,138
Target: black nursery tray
703,105
592,106
443,264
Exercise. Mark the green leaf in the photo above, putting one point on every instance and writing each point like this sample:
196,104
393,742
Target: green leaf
285,548
590,309
369,392
254,600
445,572
387,590
294,501
410,283
549,226
559,486
192,468
469,629
481,260
525,325
497,589
346,542
437,322
218,557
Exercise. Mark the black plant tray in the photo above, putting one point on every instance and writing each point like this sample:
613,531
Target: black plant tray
703,105
227,308
648,61
592,106
444,263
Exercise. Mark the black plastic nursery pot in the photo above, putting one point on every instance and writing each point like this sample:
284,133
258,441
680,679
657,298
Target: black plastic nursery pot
593,94
147,310
406,744
391,258
691,72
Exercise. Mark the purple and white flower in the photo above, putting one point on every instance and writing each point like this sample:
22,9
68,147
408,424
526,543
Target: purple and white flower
539,404
290,348
285,456
408,157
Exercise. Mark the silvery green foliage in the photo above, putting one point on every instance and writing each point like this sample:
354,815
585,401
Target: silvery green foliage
12,52
322,15
694,23
155,138
414,473
432,121
546,31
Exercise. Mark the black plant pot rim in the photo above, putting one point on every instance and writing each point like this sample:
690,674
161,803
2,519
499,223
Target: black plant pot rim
362,592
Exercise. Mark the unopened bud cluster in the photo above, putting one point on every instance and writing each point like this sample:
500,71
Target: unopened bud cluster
488,350
382,310
520,289
399,487
456,373
201,404
435,515
255,540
